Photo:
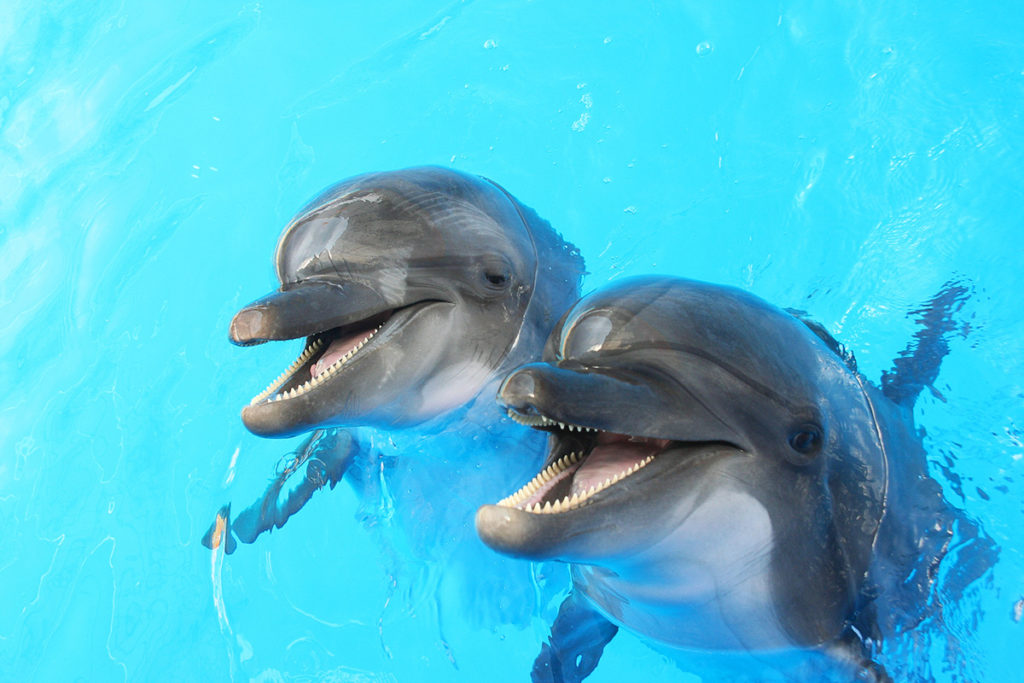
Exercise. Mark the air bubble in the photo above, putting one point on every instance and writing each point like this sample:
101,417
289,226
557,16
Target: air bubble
705,48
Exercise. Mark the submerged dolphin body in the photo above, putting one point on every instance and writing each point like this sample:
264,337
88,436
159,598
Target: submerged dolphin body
721,479
413,290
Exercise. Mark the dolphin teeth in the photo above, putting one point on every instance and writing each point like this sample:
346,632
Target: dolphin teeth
306,354
566,503
284,376
528,420
545,421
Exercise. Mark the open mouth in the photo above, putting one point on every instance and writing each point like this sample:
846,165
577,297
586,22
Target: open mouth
590,462
324,355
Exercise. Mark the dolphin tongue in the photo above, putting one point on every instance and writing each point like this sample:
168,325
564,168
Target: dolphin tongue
346,340
613,453
338,348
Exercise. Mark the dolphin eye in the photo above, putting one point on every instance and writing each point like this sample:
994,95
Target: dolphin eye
806,440
496,279
495,274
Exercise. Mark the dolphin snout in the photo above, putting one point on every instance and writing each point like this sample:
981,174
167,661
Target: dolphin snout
247,326
577,396
305,308
524,388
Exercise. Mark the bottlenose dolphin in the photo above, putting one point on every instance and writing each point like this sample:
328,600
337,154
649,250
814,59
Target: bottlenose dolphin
413,291
721,478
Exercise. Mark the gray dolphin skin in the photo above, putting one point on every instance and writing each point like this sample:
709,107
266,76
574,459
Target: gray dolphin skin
413,290
721,479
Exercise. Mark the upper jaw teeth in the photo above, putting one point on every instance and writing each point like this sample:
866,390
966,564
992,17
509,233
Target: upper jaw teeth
544,421
324,375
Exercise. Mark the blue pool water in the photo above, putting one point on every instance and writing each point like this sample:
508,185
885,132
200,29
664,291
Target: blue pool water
843,158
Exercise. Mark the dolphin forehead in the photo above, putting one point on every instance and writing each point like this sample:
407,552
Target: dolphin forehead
656,321
416,219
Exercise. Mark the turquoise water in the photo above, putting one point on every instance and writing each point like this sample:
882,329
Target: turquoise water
844,158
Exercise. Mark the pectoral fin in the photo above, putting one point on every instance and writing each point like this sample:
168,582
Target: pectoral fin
220,531
574,647
326,454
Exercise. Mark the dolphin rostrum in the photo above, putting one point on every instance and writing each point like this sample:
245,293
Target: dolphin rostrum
721,479
413,291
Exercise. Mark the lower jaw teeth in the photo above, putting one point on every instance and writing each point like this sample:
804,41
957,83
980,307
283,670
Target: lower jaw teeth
306,354
566,503
310,383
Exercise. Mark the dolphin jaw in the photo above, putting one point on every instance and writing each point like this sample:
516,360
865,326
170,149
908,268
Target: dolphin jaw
313,347
288,386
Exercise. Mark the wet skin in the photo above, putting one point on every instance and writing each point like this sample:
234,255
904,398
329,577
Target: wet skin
718,476
412,291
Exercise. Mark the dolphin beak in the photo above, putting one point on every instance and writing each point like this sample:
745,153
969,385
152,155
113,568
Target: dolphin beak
544,389
302,309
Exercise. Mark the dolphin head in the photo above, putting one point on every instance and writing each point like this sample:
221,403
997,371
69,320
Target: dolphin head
687,419
411,289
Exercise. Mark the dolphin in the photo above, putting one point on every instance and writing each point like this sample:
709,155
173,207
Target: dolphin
411,291
721,479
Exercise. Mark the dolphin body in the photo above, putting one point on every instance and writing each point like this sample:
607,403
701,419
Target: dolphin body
415,291
721,479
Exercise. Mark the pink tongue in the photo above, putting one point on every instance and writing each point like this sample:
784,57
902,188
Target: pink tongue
612,455
338,348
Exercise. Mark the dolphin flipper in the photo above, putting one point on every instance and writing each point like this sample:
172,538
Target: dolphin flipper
326,454
220,531
574,647
917,366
